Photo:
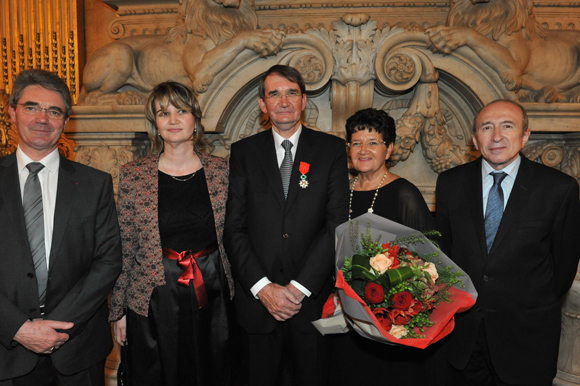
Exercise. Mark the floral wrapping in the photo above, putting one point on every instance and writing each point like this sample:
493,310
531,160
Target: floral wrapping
346,310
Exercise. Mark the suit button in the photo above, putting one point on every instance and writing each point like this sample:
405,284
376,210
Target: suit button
281,269
30,275
485,278
286,235
33,310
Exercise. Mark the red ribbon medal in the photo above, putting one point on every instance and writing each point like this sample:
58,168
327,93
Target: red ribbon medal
304,168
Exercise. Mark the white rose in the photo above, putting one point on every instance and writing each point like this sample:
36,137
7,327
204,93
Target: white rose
430,268
381,263
398,331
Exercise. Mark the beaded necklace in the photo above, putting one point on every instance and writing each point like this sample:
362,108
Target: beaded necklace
370,210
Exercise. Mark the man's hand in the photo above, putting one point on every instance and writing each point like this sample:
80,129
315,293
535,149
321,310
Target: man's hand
41,337
296,292
280,302
120,330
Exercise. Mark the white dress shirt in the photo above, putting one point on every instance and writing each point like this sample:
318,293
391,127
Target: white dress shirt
48,178
280,152
506,185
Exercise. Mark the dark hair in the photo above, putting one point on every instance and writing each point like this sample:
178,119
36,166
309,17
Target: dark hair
372,120
287,72
45,79
514,103
180,96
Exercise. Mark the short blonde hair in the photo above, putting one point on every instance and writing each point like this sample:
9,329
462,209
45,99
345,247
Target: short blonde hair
181,97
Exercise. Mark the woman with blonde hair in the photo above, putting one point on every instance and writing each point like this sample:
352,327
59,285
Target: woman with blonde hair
170,305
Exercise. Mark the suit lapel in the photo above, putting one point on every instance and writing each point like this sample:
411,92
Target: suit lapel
516,202
11,201
67,185
473,189
266,155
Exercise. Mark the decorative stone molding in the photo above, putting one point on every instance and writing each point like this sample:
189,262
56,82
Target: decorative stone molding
108,152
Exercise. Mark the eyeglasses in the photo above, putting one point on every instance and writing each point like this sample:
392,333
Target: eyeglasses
372,145
291,96
52,112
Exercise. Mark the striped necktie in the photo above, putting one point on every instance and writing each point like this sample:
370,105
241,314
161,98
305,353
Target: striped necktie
34,219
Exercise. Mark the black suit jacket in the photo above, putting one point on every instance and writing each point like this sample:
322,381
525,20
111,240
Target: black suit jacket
531,265
85,260
284,240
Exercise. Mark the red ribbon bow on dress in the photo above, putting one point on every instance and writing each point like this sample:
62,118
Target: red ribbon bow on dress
191,271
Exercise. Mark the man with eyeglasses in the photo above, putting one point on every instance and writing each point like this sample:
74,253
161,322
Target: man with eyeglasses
288,191
60,248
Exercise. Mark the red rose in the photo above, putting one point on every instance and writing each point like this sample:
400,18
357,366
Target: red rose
382,316
402,300
374,293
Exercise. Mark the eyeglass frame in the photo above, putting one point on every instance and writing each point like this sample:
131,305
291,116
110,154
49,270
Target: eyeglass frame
36,110
358,145
292,96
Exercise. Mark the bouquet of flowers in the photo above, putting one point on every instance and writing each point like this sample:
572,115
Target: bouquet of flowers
394,286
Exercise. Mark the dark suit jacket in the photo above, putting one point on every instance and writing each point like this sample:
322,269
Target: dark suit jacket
284,240
531,265
85,260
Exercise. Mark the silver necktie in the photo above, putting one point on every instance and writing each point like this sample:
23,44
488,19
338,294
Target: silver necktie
286,166
34,219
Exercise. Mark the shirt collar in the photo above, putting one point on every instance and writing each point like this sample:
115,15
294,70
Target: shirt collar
278,139
51,162
511,170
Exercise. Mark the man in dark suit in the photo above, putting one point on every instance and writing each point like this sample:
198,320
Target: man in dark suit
281,245
516,235
60,248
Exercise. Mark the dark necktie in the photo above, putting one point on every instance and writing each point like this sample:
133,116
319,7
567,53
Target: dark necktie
34,219
494,211
286,166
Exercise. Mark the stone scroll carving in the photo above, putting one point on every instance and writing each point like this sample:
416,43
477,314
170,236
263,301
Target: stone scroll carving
365,57
399,67
208,36
540,65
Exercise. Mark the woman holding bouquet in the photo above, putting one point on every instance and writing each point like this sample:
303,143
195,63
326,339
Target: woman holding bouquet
170,305
371,137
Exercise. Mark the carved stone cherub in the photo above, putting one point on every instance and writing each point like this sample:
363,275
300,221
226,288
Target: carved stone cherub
543,65
207,38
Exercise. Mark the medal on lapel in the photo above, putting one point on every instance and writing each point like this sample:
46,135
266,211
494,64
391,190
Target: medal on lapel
304,168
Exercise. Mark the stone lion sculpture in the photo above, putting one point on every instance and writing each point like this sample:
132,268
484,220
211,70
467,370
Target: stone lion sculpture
208,36
541,65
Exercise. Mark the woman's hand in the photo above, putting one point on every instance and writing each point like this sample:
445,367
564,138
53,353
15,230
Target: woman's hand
120,330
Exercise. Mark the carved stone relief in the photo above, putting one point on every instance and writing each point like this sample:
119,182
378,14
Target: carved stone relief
207,38
506,36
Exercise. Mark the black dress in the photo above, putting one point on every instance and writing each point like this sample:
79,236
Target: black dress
179,343
357,360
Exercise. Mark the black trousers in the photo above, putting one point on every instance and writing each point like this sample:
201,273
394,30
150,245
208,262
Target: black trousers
44,374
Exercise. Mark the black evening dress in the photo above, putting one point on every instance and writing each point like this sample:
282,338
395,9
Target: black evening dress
357,360
180,344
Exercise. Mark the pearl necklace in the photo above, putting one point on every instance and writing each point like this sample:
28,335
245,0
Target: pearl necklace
370,210
177,178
